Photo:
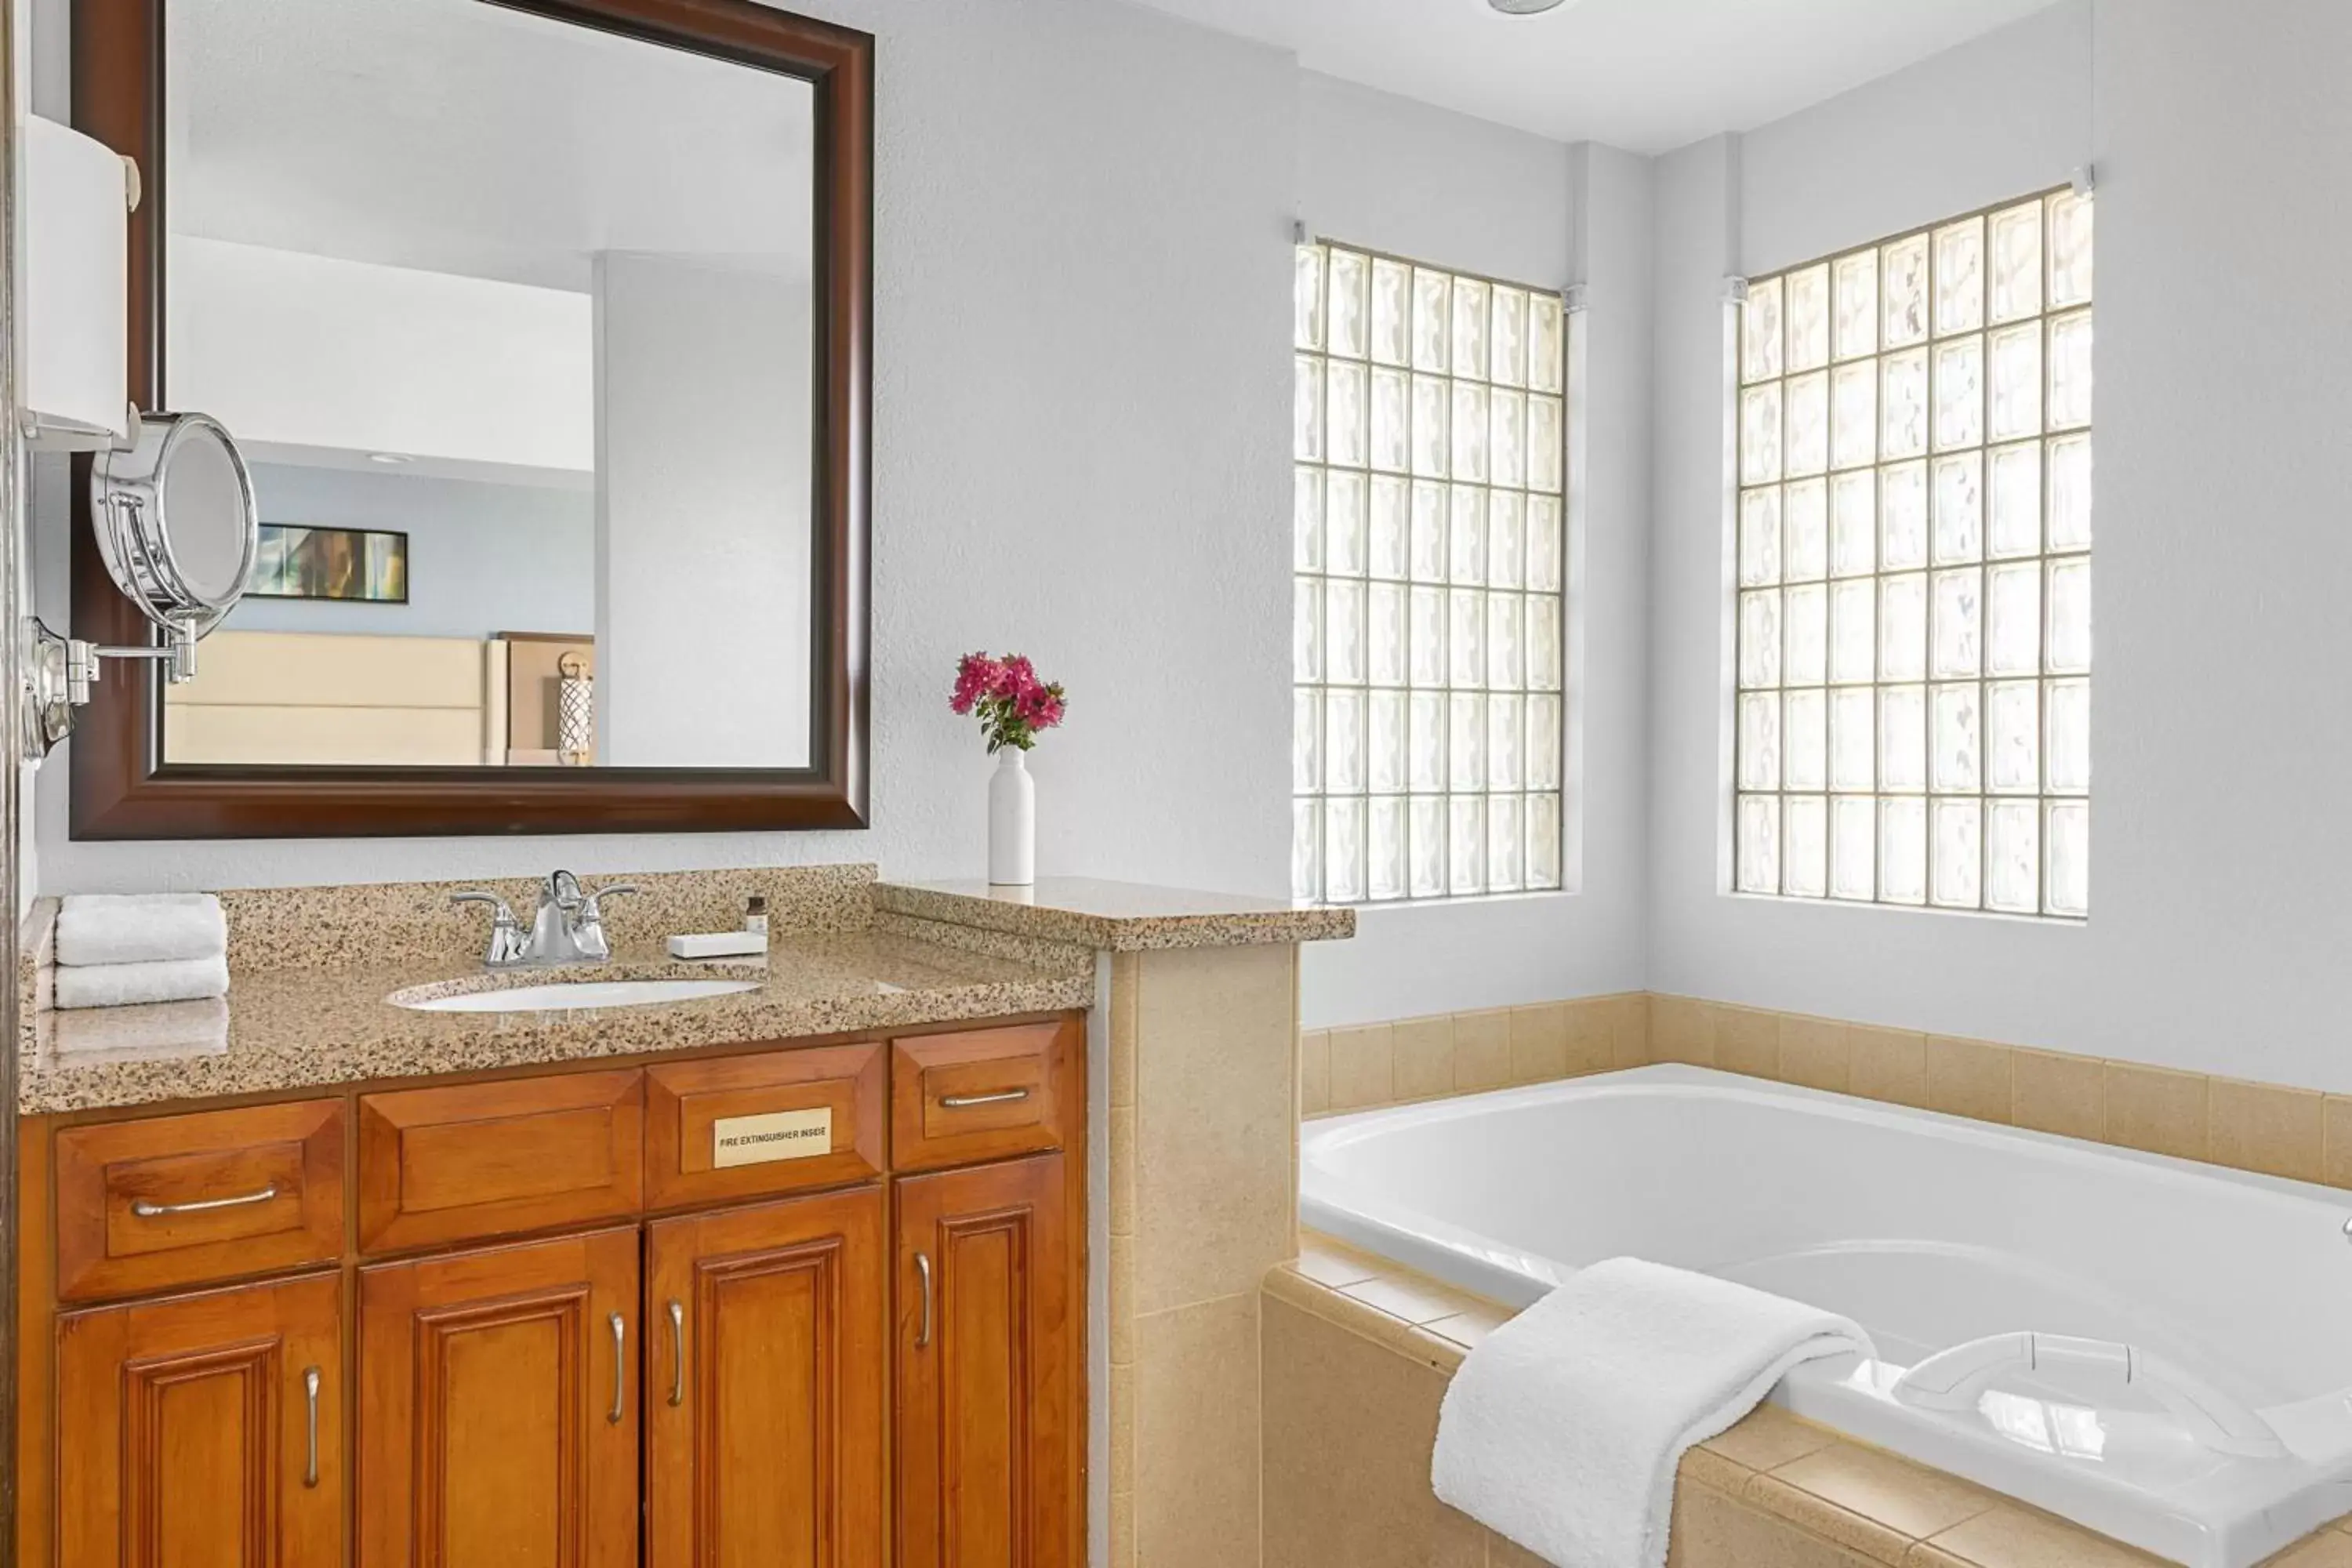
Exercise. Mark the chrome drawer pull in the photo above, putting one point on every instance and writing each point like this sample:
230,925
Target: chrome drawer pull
310,1393
958,1101
923,1273
677,1342
146,1210
620,1370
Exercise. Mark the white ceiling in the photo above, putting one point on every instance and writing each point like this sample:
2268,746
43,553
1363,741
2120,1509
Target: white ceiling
1645,75
457,137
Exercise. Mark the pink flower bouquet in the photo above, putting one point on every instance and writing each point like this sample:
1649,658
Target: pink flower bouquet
1013,705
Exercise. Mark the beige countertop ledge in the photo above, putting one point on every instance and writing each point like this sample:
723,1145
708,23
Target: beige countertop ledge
1119,916
312,970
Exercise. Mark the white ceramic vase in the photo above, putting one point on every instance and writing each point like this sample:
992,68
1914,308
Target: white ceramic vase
1011,821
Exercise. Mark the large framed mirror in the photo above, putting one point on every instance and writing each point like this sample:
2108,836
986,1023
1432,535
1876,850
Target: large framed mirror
544,327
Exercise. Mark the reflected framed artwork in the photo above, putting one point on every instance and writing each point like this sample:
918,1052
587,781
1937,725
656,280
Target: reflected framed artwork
362,565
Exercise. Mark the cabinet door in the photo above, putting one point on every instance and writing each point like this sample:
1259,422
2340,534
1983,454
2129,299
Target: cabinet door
203,1432
989,1339
767,1370
498,1421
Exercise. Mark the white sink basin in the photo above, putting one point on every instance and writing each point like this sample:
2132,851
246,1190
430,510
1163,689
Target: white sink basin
564,998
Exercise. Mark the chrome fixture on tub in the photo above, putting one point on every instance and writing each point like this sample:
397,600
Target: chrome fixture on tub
567,928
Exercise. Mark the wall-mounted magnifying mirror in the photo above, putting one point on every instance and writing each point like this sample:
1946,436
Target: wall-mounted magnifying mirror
177,526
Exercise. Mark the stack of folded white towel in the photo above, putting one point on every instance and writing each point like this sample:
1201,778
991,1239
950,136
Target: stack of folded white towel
117,951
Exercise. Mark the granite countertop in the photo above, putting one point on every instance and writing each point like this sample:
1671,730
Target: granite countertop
285,1027
1121,917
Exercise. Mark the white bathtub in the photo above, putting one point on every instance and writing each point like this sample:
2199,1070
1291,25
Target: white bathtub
2234,1292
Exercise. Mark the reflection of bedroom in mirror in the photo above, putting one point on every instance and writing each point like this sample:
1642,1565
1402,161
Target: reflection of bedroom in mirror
512,319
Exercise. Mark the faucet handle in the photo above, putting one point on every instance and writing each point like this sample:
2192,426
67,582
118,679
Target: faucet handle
614,888
506,931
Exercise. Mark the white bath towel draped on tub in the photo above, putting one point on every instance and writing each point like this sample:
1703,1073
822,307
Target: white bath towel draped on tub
1562,1430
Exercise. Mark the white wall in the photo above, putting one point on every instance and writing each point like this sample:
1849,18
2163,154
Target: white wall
704,515
2222,135
1082,406
482,558
314,350
1382,172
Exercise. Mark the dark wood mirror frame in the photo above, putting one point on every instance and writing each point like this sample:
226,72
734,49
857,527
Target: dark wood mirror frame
119,791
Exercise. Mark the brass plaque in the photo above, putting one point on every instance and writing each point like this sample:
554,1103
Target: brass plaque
775,1135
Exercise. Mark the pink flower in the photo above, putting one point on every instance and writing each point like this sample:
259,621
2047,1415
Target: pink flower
977,676
1018,677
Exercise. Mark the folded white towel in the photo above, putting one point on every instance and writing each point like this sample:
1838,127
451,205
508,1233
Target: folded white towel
142,928
128,985
1563,1429
163,1029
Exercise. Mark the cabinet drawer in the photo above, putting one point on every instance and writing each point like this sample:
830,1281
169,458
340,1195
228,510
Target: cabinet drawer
982,1094
491,1159
183,1200
738,1127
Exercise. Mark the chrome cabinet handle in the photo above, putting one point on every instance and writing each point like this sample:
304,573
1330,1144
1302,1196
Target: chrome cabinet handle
923,1327
620,1370
146,1210
958,1101
677,1359
310,1395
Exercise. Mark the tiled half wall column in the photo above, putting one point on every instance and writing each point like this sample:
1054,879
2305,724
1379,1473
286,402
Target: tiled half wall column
1202,1135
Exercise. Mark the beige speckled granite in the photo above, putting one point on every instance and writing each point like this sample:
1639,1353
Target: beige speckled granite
293,1028
373,924
1123,917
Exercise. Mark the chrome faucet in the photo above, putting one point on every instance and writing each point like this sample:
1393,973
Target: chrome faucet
567,928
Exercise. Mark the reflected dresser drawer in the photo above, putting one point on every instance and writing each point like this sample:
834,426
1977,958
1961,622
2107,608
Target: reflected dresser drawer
739,1127
184,1200
494,1159
984,1094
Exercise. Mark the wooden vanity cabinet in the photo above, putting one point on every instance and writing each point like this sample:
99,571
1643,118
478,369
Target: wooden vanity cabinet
990,1325
498,1411
555,1319
203,1430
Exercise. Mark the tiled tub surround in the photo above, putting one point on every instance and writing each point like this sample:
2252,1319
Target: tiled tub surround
1356,1351
2298,1133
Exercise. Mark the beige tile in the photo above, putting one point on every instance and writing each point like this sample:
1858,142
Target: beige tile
2156,1109
1406,1296
1215,1125
1124,968
1892,1501
1629,1030
2007,1537
1466,1329
1591,1047
1363,1066
1196,1434
1122,1169
1768,1438
1814,1052
2053,1092
1424,1057
1482,1050
2338,1170
1122,1429
1349,1429
1681,1029
1712,1531
2261,1127
1748,1041
1122,1300
1888,1064
1703,1466
1328,1262
2326,1549
1538,1043
1122,1531
1967,1077
1314,1072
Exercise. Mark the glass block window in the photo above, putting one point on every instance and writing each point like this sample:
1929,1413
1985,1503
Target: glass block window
1430,442
1913,708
